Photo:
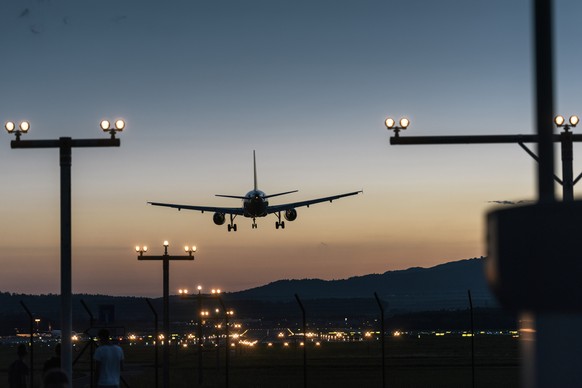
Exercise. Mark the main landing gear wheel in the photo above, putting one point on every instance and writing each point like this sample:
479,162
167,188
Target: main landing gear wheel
254,226
279,224
232,227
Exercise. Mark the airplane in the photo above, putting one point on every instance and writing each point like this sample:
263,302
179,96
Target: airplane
255,204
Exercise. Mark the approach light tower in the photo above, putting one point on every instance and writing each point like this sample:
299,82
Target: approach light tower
65,146
165,258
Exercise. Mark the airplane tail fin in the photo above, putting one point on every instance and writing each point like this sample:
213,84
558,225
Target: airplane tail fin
255,169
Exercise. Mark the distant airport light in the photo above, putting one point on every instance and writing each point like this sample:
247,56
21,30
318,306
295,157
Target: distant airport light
391,125
166,243
190,250
22,128
199,288
183,291
119,125
574,120
141,250
559,120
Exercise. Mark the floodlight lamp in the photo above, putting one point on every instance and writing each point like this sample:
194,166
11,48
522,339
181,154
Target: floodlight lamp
389,123
119,125
137,249
9,126
404,122
24,126
218,291
199,288
166,243
559,120
105,125
187,248
145,248
574,120
193,248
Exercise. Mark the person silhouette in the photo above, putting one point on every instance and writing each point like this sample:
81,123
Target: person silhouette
109,362
18,370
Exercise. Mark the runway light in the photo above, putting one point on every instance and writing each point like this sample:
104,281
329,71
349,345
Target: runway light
559,120
574,120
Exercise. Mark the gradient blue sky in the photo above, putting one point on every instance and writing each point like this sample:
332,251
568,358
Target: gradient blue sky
307,84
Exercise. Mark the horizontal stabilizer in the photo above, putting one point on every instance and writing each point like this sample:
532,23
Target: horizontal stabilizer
231,196
276,195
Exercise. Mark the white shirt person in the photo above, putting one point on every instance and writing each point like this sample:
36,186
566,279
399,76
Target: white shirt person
109,360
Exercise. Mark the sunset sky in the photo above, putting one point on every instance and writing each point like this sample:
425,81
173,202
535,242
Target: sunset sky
307,84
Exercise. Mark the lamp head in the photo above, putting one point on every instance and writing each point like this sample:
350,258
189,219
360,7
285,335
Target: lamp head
166,243
389,123
559,120
574,120
9,126
404,123
24,126
105,125
119,125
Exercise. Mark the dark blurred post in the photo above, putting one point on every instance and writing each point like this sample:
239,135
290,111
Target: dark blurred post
382,338
156,340
304,341
91,343
31,319
472,341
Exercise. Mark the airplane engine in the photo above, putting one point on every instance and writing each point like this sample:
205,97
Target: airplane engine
290,214
218,218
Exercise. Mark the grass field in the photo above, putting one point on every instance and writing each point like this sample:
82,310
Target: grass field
427,361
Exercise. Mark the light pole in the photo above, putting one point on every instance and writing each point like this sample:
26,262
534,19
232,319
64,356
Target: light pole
65,146
165,258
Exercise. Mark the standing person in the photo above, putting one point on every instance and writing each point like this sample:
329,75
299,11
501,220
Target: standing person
54,362
18,370
109,359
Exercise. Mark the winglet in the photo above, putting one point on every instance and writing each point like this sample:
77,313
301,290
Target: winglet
255,168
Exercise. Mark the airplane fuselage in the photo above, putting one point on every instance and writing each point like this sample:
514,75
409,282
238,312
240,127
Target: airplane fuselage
255,204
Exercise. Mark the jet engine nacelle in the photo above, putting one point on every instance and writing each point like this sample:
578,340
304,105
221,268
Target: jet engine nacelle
290,214
218,218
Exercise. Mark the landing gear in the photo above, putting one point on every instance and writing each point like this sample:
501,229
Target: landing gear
279,223
254,225
232,225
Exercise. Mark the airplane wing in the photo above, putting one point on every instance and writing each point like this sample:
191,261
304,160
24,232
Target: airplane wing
225,210
285,206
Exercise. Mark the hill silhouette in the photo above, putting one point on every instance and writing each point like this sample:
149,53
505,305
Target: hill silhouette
438,287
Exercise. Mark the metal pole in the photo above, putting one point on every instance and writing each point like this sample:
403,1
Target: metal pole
226,364
200,366
544,97
166,323
156,341
31,321
91,322
472,341
304,341
567,159
66,262
382,338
